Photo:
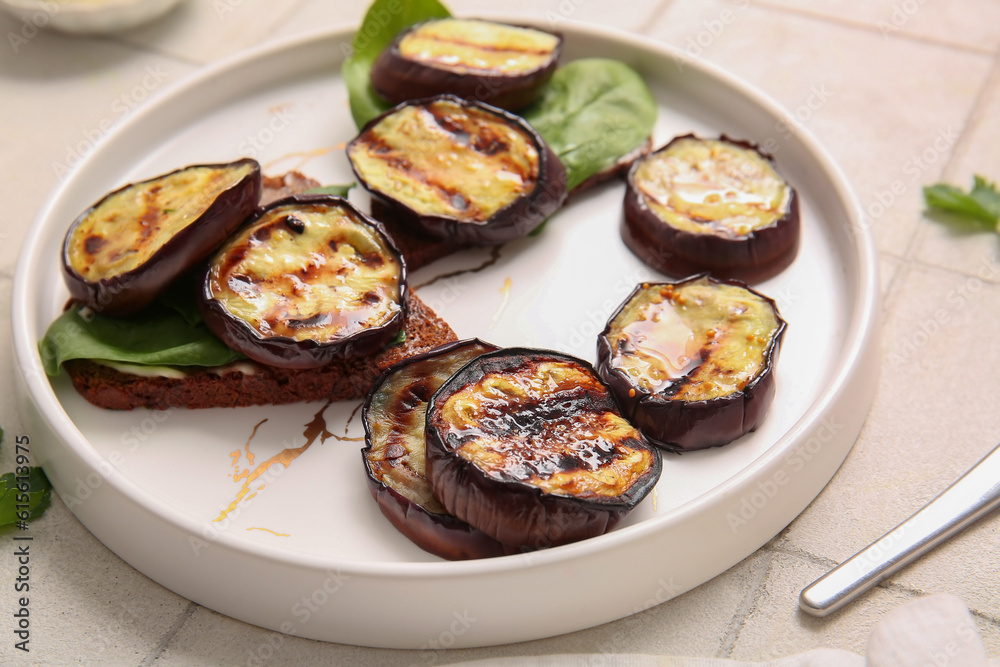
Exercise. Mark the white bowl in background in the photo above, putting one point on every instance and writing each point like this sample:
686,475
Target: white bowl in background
87,16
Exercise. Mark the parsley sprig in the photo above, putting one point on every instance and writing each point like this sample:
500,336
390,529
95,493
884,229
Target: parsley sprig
981,203
24,495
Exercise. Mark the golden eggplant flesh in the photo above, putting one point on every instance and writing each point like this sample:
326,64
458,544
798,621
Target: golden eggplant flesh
529,447
715,205
497,63
692,362
394,417
120,253
308,280
459,170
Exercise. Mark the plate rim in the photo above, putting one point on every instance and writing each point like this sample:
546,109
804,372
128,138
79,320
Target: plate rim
859,341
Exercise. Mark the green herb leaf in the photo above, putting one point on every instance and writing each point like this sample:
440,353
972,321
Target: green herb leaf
25,496
181,296
592,112
981,203
385,19
334,190
158,336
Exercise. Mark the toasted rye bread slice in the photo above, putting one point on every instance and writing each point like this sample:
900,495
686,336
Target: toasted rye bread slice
249,383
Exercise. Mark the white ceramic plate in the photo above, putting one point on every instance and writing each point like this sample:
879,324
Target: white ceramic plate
306,550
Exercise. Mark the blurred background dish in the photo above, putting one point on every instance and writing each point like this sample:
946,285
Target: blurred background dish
87,16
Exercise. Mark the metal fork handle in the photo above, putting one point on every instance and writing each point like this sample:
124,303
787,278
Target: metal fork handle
973,496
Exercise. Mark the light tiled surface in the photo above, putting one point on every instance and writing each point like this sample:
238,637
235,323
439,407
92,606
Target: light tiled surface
890,95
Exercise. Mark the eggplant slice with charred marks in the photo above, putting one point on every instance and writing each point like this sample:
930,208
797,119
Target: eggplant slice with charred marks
497,63
120,253
692,362
529,447
394,419
308,280
716,205
458,170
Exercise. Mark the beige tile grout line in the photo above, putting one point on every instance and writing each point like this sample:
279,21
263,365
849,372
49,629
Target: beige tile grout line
165,640
660,9
977,113
760,572
908,261
117,39
828,18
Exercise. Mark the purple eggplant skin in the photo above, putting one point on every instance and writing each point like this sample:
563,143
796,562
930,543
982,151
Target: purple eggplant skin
399,398
130,291
397,78
679,425
506,506
511,222
285,351
753,258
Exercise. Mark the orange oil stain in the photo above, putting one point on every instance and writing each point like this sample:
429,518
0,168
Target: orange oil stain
313,430
347,426
268,530
302,157
505,293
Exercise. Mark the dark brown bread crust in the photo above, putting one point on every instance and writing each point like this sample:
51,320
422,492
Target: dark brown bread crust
108,388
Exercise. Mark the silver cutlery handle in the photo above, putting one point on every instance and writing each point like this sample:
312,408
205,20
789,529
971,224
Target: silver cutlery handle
973,496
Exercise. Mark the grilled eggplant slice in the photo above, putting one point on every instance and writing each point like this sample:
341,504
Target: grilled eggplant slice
458,170
691,362
394,419
529,447
497,63
120,253
308,280
716,205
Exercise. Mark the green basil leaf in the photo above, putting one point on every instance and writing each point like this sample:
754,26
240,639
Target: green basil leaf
158,336
981,203
592,112
181,296
384,20
334,190
32,490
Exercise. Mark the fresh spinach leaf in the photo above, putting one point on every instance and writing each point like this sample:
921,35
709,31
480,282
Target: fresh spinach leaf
158,336
592,112
384,20
181,296
30,489
981,203
334,190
